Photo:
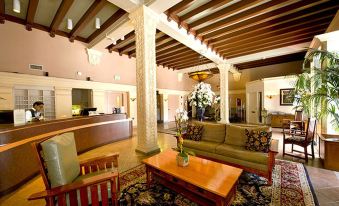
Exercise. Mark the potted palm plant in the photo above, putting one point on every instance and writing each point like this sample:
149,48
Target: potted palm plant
317,88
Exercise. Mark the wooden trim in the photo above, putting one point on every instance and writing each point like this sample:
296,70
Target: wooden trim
174,57
90,14
167,45
120,43
31,11
174,50
117,15
59,16
180,58
186,61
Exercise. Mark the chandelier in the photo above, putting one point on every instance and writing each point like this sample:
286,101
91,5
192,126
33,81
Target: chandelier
201,75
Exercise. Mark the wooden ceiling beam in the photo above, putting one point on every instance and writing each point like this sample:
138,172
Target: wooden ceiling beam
2,11
174,54
90,14
59,16
117,15
178,61
227,11
161,38
173,49
31,11
275,17
209,6
269,47
275,39
180,7
165,58
179,58
167,45
191,65
257,32
273,60
129,47
197,61
253,12
271,36
121,43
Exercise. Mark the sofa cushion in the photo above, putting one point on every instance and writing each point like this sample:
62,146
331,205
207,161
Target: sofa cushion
61,159
235,134
241,153
213,132
201,145
258,140
194,132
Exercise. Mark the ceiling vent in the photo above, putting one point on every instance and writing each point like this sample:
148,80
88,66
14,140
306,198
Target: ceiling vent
36,67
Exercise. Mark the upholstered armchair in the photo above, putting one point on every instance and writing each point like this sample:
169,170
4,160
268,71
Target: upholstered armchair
71,182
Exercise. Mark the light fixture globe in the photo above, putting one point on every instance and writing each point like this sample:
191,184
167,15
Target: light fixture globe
200,75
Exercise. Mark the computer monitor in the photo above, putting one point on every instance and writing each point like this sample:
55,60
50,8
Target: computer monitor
85,111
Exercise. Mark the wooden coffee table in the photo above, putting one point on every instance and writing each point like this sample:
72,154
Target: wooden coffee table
202,181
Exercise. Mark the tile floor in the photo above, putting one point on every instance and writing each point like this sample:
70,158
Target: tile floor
325,182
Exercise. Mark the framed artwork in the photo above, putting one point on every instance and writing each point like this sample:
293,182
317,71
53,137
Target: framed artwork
286,97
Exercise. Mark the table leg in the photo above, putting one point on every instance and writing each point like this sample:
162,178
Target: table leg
148,176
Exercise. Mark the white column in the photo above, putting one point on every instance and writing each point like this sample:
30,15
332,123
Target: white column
224,106
145,21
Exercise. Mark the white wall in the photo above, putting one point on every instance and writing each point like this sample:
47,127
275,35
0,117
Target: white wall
273,86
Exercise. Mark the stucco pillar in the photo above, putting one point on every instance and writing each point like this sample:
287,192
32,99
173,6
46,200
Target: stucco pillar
145,21
224,106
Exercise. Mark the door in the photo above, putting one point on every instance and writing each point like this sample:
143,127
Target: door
253,108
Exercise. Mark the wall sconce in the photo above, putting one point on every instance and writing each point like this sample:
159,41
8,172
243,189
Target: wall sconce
270,94
1,98
165,100
132,99
237,76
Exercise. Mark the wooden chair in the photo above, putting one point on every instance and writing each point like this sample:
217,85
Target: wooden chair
302,140
296,125
97,182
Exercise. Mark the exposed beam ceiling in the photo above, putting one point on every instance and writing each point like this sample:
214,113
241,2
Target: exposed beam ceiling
59,16
32,6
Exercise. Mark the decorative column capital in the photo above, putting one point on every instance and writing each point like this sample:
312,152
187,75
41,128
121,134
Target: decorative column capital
94,56
144,18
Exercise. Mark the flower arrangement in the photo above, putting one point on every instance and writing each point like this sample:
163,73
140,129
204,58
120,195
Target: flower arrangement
181,121
217,99
202,95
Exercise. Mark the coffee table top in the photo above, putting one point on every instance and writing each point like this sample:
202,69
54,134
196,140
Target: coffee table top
206,174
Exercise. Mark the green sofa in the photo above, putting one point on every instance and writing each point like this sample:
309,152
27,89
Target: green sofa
226,143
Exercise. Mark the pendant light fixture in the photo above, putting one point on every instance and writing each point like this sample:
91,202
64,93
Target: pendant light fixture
69,24
16,6
97,23
201,75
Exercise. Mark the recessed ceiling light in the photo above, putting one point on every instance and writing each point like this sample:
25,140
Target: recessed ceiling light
69,24
97,23
16,6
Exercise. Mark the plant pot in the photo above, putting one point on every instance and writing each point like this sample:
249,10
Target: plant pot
182,161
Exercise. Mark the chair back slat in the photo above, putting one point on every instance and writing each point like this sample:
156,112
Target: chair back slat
104,194
298,116
73,198
94,195
311,128
83,196
62,200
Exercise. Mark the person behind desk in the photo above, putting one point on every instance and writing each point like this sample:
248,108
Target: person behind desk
34,114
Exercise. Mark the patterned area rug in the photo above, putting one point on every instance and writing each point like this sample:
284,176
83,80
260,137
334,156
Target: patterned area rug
291,187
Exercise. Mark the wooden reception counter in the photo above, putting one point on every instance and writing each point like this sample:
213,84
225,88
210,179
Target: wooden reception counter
17,161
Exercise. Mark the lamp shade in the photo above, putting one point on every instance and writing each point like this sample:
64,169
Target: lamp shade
16,6
69,24
200,75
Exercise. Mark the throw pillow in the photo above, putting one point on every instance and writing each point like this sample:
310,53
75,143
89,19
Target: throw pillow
194,132
258,140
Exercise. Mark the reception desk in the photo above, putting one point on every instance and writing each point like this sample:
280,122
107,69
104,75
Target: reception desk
17,161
